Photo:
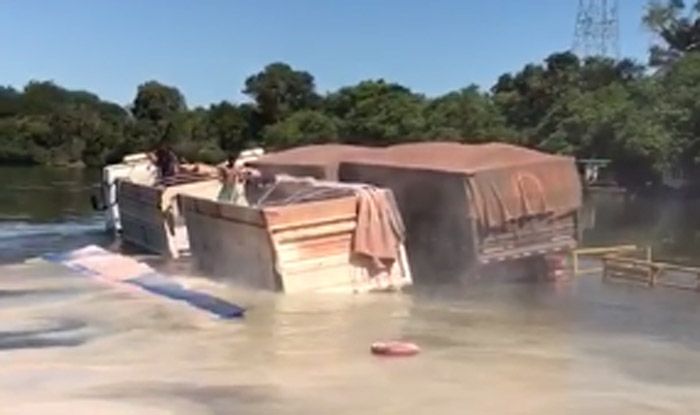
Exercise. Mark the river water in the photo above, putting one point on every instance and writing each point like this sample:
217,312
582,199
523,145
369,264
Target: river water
70,345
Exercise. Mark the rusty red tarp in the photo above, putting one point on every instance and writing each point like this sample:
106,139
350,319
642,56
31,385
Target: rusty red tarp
319,161
505,182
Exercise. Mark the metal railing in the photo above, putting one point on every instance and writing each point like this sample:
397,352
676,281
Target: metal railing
599,253
629,263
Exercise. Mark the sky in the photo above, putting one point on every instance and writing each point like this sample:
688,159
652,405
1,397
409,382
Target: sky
207,48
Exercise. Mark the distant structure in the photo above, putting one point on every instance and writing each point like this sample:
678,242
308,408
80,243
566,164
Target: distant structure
597,29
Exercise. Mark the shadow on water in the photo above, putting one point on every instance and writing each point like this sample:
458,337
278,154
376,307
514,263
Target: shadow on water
60,333
216,399
36,294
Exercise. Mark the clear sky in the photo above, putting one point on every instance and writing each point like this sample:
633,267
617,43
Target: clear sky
208,47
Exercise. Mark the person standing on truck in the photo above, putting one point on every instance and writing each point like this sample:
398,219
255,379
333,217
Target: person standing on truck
165,161
233,181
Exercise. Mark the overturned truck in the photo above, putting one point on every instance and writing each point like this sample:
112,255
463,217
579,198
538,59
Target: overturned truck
467,208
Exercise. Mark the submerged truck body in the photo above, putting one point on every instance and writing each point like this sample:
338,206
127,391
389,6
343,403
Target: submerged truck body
466,207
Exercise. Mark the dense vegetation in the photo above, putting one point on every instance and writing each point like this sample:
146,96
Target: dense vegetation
646,118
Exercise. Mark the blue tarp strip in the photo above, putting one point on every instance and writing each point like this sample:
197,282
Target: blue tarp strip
158,284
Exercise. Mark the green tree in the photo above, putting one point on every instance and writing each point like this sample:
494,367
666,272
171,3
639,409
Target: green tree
279,90
301,128
227,126
609,123
157,102
681,86
159,111
377,112
465,115
534,99
677,27
10,102
526,97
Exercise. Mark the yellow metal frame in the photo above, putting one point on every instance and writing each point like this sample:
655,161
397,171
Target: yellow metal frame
600,252
647,272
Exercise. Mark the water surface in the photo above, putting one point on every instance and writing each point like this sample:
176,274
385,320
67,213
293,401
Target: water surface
46,209
69,345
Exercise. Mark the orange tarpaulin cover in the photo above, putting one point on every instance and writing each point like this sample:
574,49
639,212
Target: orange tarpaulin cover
318,161
505,182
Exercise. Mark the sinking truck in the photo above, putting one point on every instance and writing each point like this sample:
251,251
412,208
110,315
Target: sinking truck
468,209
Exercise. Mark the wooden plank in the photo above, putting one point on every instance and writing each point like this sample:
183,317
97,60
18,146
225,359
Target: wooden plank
314,232
343,238
315,247
310,264
326,218
309,212
588,271
604,250
524,241
663,265
289,256
526,251
319,279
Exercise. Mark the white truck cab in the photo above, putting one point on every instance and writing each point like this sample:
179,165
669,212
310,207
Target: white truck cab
134,167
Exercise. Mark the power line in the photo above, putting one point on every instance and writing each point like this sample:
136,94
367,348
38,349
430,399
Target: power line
597,31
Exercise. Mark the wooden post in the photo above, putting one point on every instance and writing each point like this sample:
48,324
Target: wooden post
605,268
649,256
654,274
574,262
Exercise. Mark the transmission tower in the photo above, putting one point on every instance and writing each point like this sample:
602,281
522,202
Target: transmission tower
597,29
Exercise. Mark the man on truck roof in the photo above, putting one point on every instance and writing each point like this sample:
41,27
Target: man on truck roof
165,161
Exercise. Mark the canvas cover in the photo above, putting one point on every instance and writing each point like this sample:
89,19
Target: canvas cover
318,161
505,183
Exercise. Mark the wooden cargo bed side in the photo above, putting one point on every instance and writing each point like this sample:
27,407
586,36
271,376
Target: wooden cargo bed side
295,248
230,242
143,222
313,243
150,216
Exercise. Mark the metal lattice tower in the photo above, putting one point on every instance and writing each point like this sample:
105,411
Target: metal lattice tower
597,29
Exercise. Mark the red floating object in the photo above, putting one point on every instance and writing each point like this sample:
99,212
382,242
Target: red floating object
394,348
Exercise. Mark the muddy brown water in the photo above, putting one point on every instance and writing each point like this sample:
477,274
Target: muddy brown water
70,345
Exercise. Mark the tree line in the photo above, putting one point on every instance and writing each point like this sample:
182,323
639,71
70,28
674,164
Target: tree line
645,118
